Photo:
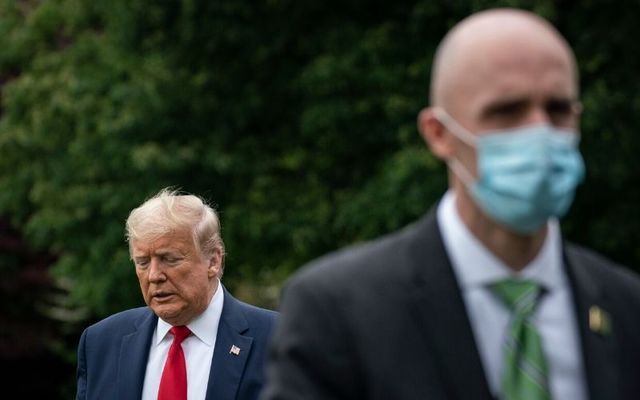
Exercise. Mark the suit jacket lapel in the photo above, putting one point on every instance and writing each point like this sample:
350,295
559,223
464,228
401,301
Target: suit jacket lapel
231,352
132,360
598,347
437,303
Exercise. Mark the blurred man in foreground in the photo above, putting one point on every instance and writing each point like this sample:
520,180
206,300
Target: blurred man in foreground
481,298
194,340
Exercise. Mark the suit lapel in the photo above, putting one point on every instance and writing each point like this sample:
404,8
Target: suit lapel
231,352
598,347
132,360
437,303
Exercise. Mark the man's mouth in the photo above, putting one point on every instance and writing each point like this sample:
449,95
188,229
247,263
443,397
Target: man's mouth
162,296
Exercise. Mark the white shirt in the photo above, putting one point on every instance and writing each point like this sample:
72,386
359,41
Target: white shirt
197,348
476,268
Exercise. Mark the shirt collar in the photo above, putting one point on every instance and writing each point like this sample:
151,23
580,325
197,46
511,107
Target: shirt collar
475,265
205,326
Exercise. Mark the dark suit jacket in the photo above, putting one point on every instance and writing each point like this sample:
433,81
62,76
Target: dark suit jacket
386,320
112,355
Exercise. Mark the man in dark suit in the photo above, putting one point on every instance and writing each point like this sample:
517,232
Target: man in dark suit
481,298
194,340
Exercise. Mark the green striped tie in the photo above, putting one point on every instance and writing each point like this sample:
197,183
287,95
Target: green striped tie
525,375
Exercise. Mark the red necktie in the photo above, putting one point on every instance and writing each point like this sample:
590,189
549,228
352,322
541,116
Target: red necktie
173,385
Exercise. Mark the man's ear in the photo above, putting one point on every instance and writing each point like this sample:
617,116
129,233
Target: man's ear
215,264
435,134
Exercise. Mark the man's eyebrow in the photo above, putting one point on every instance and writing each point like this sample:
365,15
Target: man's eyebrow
564,101
166,251
505,106
510,105
159,252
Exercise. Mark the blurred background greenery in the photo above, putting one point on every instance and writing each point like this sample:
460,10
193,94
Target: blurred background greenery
296,119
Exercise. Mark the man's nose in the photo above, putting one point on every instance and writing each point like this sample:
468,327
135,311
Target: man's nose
538,115
156,273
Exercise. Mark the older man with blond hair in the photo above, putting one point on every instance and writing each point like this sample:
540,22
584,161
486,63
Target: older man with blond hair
193,340
481,298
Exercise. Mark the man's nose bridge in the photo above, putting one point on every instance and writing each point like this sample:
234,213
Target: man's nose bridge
155,267
538,114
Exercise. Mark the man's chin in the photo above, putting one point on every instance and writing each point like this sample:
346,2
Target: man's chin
168,313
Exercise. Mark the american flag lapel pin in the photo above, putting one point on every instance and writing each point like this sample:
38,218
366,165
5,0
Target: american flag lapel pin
235,350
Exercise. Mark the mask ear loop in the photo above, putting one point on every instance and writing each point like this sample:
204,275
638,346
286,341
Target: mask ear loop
454,127
462,172
461,133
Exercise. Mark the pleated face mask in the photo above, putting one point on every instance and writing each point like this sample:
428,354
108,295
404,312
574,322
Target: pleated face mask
526,174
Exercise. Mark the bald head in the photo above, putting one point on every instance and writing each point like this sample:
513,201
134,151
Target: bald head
476,49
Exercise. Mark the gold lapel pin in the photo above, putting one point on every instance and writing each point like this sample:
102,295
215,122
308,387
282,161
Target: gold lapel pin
599,321
235,350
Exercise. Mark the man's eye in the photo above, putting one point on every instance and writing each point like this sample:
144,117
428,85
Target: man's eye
142,263
559,108
511,109
506,114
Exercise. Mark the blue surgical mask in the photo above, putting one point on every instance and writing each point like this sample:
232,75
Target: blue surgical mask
526,175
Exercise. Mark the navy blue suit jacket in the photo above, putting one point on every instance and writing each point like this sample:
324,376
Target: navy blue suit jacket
112,354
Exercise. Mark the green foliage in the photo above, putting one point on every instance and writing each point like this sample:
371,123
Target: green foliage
297,119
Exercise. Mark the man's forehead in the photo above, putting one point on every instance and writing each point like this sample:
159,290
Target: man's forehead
494,73
174,241
545,77
482,50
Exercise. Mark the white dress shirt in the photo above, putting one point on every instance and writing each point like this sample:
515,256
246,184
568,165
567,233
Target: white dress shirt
476,268
197,348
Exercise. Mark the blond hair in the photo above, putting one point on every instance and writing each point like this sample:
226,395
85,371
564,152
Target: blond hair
168,212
